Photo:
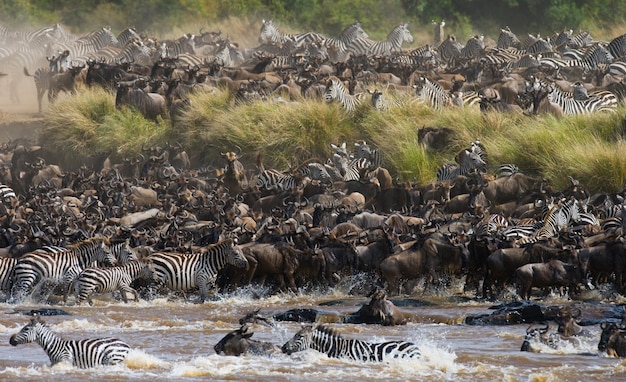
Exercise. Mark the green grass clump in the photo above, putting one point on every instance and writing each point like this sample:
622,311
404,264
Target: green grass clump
588,148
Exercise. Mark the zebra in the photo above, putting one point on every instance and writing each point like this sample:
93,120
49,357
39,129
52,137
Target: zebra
393,43
84,353
603,102
474,48
184,44
449,50
337,91
338,47
591,59
506,169
557,218
270,34
42,75
275,180
432,94
8,196
136,52
438,32
183,272
82,49
469,160
7,273
228,55
507,39
327,340
102,280
58,265
127,35
122,252
617,46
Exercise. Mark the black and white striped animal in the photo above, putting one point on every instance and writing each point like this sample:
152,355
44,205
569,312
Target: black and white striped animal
337,91
270,34
7,273
84,353
571,106
326,340
185,272
338,47
432,94
42,75
393,43
104,280
55,265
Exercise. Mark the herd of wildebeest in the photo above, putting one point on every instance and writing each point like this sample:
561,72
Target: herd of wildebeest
166,224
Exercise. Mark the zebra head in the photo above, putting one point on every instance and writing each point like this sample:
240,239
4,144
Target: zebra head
378,100
29,333
106,36
269,33
353,31
402,32
235,257
535,335
300,341
122,252
332,90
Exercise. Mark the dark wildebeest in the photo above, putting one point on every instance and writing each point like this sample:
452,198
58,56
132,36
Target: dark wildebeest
612,340
554,273
378,311
238,342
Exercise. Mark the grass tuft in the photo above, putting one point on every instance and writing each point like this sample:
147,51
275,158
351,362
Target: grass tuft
588,148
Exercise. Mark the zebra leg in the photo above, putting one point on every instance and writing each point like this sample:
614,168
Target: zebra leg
202,280
124,289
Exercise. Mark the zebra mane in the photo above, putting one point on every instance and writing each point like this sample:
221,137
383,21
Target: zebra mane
327,330
92,241
222,244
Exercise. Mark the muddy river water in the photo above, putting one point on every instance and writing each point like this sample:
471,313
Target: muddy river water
173,340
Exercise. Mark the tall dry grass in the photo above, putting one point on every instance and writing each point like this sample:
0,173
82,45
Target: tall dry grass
588,148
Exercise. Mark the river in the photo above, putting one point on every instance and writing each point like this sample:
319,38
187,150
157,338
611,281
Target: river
173,340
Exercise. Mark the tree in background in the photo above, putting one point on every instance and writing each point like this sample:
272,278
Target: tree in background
463,17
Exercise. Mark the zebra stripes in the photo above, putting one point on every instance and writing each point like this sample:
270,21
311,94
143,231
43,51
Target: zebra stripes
103,280
270,34
84,353
326,340
338,47
507,39
7,273
606,101
393,43
184,272
432,94
557,218
469,160
275,180
57,266
337,91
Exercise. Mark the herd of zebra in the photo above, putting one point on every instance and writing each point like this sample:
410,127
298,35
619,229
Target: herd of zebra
197,226
566,73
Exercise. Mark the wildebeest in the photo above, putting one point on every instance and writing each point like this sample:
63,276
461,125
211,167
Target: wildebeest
150,105
279,260
238,342
65,82
612,340
554,273
378,311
